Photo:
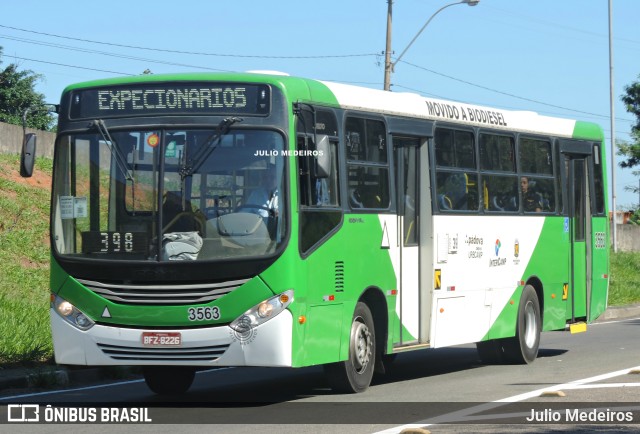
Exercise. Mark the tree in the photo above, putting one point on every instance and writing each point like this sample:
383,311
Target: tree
631,151
17,93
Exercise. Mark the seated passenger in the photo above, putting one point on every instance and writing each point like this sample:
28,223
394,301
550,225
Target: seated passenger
531,200
456,190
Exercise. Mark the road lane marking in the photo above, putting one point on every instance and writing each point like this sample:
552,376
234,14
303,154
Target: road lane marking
615,321
78,389
604,385
464,414
98,386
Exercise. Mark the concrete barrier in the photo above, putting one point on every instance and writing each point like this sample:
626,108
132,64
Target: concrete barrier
11,140
628,238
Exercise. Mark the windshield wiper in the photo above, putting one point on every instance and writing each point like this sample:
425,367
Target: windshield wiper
116,153
193,164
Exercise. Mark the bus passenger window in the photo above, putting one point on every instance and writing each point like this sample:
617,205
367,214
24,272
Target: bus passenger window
535,156
497,153
368,187
365,140
500,193
597,179
457,191
367,165
539,195
455,148
538,185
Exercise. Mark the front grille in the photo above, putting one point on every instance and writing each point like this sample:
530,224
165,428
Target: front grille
118,352
162,294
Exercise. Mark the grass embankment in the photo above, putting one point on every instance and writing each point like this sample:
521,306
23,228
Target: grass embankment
624,287
24,265
24,262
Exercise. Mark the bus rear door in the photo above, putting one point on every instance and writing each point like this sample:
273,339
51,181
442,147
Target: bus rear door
413,214
577,179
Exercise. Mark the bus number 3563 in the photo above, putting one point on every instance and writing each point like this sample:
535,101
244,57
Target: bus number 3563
203,313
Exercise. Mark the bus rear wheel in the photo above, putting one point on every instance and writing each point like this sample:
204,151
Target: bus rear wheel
354,374
169,380
523,347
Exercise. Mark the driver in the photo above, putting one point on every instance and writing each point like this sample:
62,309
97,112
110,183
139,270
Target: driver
265,196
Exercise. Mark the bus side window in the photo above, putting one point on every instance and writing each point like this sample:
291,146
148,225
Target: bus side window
457,190
320,212
368,183
543,188
456,179
501,193
536,167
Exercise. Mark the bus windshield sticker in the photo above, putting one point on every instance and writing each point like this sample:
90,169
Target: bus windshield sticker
66,207
72,207
80,207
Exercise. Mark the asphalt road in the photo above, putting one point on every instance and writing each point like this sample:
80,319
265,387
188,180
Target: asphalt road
436,389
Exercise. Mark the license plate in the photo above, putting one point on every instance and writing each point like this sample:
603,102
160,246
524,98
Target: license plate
161,339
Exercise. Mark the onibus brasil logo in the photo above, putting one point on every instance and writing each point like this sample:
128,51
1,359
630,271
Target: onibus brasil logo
244,332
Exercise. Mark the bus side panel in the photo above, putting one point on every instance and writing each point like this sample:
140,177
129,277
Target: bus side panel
548,269
338,272
551,265
600,264
481,261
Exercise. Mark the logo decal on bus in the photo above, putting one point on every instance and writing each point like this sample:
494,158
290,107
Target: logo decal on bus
245,332
498,245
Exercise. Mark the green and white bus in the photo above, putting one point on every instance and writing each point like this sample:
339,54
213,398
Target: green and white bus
258,219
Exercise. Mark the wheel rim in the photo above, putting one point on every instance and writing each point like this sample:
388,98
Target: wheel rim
361,345
530,325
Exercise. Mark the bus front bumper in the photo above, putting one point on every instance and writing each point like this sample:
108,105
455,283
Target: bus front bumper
268,344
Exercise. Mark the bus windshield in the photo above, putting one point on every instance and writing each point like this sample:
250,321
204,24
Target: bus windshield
168,195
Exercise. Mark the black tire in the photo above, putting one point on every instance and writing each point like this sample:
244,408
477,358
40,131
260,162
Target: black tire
169,380
354,374
490,352
523,347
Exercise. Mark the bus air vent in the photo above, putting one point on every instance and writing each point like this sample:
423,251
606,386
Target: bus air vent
339,275
162,294
209,353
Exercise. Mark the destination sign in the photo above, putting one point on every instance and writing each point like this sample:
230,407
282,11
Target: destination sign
171,99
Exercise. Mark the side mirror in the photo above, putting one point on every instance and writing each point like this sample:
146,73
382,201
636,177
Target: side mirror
323,159
28,155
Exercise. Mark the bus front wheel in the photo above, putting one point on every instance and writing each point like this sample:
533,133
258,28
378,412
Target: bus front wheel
169,380
523,347
354,374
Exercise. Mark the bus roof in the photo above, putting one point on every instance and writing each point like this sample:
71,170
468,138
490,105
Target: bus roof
379,101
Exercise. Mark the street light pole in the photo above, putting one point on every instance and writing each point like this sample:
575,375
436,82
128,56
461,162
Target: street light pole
613,132
388,65
387,53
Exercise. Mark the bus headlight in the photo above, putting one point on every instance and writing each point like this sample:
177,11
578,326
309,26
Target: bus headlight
262,312
70,313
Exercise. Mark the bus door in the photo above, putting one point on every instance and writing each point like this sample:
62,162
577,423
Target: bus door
410,299
577,174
